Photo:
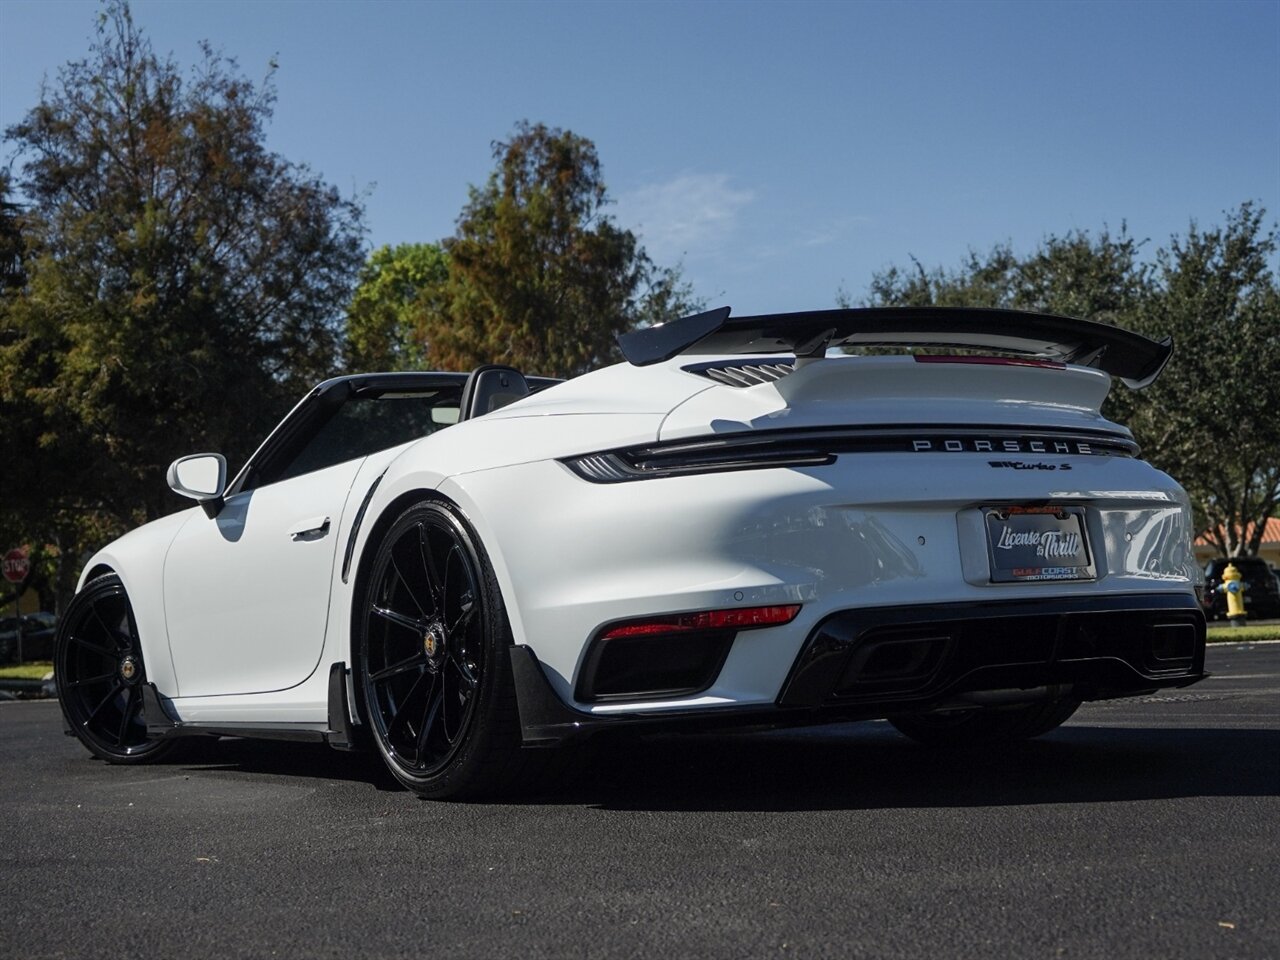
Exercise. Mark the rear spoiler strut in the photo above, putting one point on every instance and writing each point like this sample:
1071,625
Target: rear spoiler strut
1133,358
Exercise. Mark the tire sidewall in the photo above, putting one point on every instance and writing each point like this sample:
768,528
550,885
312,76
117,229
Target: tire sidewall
108,584
466,766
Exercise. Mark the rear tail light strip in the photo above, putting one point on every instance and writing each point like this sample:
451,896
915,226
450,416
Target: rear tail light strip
820,446
624,465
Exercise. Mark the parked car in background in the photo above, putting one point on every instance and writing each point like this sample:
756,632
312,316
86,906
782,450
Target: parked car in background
1262,588
38,633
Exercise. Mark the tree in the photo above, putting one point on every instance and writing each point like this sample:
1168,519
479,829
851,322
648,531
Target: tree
1210,419
539,275
13,274
182,283
1099,277
399,287
667,296
1213,419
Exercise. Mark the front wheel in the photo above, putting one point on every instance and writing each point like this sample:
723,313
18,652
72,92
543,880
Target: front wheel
987,725
99,674
433,655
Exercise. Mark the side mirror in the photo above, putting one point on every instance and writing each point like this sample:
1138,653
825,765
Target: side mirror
202,477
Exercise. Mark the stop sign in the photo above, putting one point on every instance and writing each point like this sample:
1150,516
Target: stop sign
16,565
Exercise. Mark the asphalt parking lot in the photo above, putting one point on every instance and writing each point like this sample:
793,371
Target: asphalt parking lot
1142,828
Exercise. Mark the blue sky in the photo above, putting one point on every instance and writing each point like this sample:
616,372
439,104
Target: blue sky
781,151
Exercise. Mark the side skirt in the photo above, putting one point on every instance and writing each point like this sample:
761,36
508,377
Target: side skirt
338,732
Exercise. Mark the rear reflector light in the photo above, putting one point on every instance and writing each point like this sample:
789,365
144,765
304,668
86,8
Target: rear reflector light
990,361
740,619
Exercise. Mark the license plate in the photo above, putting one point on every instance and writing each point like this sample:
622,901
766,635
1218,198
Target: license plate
1037,543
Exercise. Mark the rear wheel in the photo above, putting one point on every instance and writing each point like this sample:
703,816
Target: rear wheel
988,725
435,672
99,673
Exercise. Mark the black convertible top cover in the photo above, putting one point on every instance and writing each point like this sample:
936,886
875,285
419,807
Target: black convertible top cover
1133,358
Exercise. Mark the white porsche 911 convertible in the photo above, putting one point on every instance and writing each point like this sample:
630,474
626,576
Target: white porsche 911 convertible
737,526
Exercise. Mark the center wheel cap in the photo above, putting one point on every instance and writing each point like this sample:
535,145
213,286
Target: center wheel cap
433,642
128,668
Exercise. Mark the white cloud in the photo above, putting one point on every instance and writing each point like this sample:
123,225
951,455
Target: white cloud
833,231
693,214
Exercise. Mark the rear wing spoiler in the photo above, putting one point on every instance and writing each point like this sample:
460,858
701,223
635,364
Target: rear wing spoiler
1133,358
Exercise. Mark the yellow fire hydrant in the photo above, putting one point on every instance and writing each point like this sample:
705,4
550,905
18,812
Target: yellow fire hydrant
1234,587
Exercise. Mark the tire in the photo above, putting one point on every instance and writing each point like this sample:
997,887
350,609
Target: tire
432,650
988,725
99,675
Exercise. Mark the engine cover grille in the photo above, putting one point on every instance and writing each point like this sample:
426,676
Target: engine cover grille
744,373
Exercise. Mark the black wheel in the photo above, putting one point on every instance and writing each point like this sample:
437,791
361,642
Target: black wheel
99,673
435,673
988,725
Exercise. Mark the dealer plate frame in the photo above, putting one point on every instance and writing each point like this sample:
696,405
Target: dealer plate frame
1029,529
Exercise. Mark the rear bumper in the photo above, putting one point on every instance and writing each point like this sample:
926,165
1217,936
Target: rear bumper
880,530
876,662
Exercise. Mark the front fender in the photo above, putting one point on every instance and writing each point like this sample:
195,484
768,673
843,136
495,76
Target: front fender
137,558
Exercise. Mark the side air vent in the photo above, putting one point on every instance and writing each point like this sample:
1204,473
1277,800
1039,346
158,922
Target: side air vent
743,374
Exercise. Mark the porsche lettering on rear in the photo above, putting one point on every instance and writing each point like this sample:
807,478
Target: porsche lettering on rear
1005,445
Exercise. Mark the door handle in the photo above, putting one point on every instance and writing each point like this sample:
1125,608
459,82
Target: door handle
312,529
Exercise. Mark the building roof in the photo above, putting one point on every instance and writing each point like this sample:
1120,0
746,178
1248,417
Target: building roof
1270,533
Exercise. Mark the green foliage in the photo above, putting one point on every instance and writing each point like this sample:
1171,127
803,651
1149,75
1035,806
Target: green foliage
1100,277
667,296
539,275
1249,634
180,285
1210,420
399,287
12,242
36,670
